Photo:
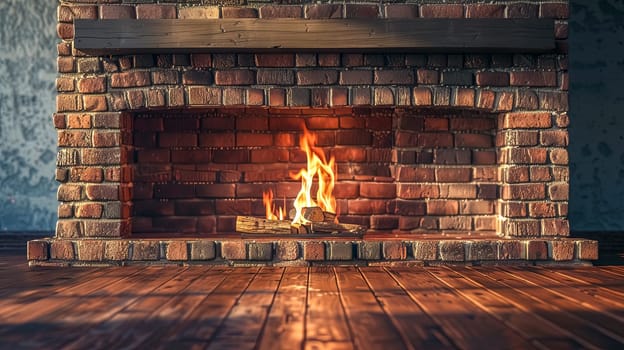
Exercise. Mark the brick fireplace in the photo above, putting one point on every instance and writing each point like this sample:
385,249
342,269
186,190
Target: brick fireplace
456,157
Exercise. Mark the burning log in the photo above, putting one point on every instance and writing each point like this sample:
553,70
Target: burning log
314,214
249,224
335,228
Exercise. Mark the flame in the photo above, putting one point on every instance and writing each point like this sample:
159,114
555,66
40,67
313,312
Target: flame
317,167
267,199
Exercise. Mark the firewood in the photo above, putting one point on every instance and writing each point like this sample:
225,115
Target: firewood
250,224
299,229
313,214
331,227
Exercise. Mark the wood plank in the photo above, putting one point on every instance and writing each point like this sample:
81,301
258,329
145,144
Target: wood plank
604,283
371,327
200,326
525,294
242,326
423,34
468,328
326,323
79,328
147,282
30,307
592,310
417,329
285,326
517,316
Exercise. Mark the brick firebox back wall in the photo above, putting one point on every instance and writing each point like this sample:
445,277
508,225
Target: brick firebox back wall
100,96
406,169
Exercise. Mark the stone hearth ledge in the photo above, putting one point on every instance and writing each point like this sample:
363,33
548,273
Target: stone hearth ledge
293,252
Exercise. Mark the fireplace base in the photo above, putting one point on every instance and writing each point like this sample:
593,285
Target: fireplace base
370,250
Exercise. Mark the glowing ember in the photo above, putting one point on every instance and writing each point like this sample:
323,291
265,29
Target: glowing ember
317,167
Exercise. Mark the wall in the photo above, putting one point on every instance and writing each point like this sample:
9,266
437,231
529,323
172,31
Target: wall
27,137
596,105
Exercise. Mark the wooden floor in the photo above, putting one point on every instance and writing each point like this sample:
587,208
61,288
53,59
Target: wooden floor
317,308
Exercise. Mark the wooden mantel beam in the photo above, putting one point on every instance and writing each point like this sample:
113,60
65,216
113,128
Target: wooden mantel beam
257,35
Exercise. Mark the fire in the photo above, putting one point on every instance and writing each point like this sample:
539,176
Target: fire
317,167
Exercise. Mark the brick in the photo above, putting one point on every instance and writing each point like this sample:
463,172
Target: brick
117,12
393,77
339,97
465,97
555,101
89,210
492,78
37,250
275,77
281,11
453,174
558,156
526,120
555,227
518,227
485,99
202,250
67,192
585,250
277,97
523,191
561,250
356,77
204,96
233,250
394,250
299,97
286,250
148,11
317,77
90,250
535,250
456,78
65,31
383,96
61,250
473,140
275,60
94,103
442,11
482,250
377,190
339,251
196,77
441,96
66,64
328,59
89,65
260,251
384,222
425,250
69,13
522,10
323,11
509,250
177,251
461,223
535,79
452,251
422,96
361,96
485,11
313,251
130,79
235,77
361,11
417,191
116,250
144,250
558,192
442,207
202,12
199,60
369,250
401,11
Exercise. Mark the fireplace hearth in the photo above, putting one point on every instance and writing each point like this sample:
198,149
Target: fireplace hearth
443,151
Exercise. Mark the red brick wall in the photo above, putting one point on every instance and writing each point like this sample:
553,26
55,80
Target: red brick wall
525,93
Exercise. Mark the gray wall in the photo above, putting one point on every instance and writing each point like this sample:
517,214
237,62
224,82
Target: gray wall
28,145
27,137
597,115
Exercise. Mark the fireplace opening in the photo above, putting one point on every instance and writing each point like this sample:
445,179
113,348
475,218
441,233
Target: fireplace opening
398,170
